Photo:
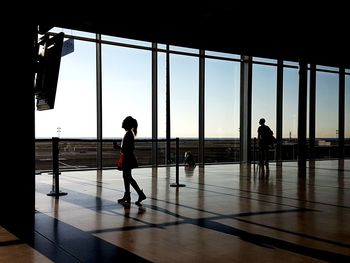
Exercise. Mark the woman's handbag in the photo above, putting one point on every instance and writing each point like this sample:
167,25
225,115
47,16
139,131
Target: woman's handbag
120,162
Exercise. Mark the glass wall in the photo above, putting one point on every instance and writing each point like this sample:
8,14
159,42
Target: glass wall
327,99
184,83
161,106
264,86
161,95
290,113
184,96
183,71
74,33
126,90
126,41
222,107
74,113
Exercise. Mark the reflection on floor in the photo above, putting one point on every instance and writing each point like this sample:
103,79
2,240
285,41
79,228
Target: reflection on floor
225,213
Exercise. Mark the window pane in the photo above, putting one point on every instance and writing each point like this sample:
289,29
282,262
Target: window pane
126,91
184,96
184,83
264,97
161,95
222,109
327,68
73,32
327,94
126,41
291,63
75,105
161,46
290,113
266,60
220,54
184,49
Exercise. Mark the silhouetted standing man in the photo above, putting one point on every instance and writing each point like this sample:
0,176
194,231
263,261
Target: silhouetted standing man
265,136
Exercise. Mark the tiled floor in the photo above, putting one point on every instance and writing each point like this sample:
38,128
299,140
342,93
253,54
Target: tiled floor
13,250
225,213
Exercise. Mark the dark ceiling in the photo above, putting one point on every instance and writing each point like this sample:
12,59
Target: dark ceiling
289,31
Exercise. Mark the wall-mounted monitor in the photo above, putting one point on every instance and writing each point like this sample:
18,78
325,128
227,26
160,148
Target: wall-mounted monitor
48,67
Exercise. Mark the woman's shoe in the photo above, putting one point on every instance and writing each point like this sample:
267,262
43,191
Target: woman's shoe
126,199
142,197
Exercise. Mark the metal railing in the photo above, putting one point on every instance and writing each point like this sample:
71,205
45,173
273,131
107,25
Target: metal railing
81,154
55,159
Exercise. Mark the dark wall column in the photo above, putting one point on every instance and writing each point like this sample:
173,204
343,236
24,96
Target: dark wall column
167,106
312,112
154,104
17,181
201,103
341,114
279,112
246,109
302,110
99,99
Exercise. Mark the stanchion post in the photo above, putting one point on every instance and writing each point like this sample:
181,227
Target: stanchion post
55,169
177,184
254,151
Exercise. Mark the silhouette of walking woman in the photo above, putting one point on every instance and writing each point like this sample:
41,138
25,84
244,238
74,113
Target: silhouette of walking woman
130,162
